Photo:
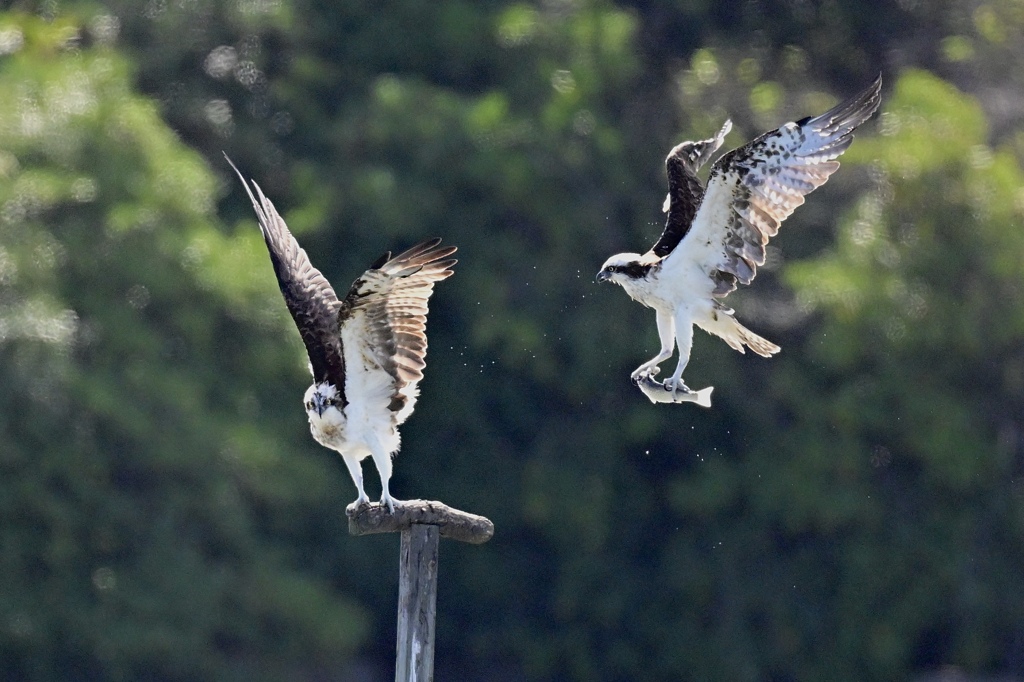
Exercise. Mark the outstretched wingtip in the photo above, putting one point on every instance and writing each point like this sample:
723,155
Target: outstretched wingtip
846,116
428,254
427,250
264,207
874,92
241,177
235,168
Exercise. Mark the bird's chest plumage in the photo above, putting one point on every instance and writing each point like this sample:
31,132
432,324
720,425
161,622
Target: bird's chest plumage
329,429
649,290
369,389
684,287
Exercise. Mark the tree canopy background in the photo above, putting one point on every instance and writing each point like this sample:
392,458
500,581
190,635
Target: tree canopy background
852,509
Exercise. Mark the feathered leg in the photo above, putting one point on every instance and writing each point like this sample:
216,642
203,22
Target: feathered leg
684,341
667,335
355,470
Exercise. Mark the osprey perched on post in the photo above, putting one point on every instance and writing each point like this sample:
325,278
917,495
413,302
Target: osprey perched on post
366,352
714,238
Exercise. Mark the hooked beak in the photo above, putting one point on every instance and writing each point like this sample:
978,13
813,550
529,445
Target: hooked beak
603,276
319,405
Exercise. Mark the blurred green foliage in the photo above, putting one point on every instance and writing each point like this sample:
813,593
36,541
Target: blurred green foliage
131,491
850,510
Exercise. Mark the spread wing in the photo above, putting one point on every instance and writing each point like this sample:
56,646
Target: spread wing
754,188
393,295
684,188
309,297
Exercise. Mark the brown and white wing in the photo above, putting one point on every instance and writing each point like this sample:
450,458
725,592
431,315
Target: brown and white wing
309,297
389,305
754,188
684,188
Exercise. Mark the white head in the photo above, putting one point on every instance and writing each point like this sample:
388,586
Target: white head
321,397
623,267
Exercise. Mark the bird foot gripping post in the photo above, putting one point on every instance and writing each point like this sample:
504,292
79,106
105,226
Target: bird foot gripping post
421,523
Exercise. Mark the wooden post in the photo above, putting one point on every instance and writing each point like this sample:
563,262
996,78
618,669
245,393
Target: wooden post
417,603
421,523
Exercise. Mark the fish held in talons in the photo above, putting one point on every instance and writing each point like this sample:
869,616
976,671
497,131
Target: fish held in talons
658,392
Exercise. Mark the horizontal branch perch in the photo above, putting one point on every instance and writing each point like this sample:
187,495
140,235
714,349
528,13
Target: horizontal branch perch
451,523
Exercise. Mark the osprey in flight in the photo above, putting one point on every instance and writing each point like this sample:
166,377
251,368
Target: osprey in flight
366,352
714,238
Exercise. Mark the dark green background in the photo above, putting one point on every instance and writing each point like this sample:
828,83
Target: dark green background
850,510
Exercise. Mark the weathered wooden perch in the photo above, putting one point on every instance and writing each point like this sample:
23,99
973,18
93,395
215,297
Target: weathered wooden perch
451,523
421,523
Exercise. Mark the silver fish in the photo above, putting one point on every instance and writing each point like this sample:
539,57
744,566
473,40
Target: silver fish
657,392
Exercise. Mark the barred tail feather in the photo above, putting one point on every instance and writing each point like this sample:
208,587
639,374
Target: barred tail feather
727,328
758,344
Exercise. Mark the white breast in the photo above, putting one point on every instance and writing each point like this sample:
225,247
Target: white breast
329,429
368,388
685,283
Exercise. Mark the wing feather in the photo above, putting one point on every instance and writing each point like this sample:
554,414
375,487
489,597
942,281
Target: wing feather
307,293
393,298
684,188
754,188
